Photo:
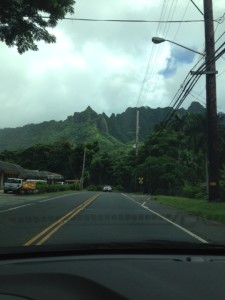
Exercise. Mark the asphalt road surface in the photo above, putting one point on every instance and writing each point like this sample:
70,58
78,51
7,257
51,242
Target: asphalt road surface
92,217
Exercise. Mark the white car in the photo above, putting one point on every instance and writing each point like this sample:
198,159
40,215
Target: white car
107,188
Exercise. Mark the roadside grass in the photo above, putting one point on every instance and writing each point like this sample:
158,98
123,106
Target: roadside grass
203,208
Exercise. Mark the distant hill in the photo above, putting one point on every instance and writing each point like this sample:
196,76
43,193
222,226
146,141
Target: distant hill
88,126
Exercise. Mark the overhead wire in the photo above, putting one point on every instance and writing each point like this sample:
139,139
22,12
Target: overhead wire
126,20
154,83
151,56
153,49
197,7
186,80
164,31
202,68
217,40
166,115
171,104
221,19
191,83
196,98
179,27
165,35
174,39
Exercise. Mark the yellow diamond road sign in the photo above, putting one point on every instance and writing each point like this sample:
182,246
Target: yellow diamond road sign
141,180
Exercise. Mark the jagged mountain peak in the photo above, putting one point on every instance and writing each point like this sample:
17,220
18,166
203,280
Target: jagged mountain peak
88,125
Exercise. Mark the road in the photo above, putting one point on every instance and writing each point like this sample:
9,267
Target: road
91,217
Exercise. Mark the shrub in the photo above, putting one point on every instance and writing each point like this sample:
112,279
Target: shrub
74,186
41,187
222,193
119,188
193,191
92,187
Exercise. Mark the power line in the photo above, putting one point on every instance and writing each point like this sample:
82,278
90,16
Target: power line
202,69
152,55
147,82
164,31
219,37
183,85
178,29
189,86
127,20
197,7
220,21
202,102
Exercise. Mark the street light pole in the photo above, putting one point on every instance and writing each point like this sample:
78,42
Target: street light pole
211,106
158,40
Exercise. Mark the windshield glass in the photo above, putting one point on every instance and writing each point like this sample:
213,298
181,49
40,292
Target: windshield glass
14,180
112,114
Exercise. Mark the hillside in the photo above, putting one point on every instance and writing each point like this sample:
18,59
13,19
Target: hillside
88,126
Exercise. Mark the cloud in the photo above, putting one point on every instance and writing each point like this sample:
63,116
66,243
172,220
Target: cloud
177,58
106,65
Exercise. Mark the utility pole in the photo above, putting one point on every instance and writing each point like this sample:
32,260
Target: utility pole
211,106
137,133
83,168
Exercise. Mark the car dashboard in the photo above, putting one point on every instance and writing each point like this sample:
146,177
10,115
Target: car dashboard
109,276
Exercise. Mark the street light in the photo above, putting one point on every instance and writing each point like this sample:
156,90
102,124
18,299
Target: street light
211,106
158,40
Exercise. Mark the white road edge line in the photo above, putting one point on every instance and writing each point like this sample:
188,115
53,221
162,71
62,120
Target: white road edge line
45,200
56,198
17,207
171,222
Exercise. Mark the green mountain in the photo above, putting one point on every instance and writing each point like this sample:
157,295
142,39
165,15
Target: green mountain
87,126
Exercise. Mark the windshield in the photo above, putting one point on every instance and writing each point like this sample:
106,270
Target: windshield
112,119
14,180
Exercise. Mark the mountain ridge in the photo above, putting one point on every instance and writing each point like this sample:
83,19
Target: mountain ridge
87,126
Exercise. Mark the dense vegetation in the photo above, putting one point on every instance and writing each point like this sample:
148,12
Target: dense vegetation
171,160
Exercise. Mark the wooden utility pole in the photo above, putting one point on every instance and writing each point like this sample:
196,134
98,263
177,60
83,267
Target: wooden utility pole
82,173
137,133
211,106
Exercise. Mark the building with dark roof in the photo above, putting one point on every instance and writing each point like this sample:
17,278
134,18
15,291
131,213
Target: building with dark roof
8,170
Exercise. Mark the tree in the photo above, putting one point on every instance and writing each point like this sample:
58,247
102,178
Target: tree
78,156
24,22
36,157
174,157
161,175
60,158
102,169
123,169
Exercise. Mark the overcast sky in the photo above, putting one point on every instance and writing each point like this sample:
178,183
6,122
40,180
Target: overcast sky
108,65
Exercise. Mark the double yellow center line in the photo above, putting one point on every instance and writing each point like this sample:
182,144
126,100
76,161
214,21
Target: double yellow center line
44,235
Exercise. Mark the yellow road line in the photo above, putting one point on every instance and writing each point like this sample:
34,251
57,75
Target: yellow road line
50,230
50,227
63,223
